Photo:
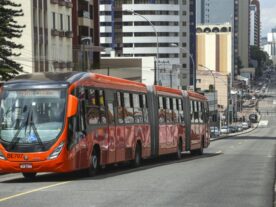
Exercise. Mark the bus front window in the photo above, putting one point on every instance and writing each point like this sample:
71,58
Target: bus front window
31,116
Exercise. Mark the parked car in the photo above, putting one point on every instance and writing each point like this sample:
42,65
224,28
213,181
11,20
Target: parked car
224,130
215,132
245,125
232,129
253,118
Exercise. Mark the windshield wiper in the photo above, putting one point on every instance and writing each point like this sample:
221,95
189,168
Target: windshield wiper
28,122
32,124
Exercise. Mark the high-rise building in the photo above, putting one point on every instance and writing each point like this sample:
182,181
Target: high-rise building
47,37
255,25
124,33
214,47
235,12
86,39
270,46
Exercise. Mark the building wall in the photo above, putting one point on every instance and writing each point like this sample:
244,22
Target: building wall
257,22
27,53
244,32
47,43
131,35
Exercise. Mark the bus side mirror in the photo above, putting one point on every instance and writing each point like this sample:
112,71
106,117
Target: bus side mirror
72,106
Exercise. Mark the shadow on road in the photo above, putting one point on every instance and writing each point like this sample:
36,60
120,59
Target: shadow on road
111,170
251,138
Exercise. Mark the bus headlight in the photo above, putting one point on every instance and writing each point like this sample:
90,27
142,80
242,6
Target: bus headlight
2,157
56,152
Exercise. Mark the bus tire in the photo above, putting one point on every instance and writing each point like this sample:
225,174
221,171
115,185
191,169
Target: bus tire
29,176
200,150
94,163
138,156
179,149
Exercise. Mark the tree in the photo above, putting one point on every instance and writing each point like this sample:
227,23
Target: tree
261,57
9,29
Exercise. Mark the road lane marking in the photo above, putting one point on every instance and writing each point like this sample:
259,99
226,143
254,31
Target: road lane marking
32,191
240,142
219,152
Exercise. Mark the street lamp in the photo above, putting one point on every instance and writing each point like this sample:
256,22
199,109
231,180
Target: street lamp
193,62
156,68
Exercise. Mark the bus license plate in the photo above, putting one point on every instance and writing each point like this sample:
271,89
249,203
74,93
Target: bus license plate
26,166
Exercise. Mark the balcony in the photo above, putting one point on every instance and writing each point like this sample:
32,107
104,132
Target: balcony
61,33
55,32
69,4
54,1
70,65
56,64
62,65
69,34
61,3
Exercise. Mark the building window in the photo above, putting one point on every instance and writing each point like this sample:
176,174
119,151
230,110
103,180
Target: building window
61,21
69,22
54,20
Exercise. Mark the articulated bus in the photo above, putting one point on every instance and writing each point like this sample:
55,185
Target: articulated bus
63,122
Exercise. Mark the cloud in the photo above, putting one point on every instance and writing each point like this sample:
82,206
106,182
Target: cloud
268,19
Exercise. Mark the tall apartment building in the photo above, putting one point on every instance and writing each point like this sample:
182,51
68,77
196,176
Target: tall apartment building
235,12
126,34
47,38
270,45
214,47
255,25
86,39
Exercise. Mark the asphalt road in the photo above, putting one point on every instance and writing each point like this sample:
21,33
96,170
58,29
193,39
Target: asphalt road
237,171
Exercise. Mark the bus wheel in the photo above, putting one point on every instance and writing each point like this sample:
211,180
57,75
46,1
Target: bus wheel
138,157
29,176
179,150
94,163
200,150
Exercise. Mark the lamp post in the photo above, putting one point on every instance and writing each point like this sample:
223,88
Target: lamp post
156,68
193,62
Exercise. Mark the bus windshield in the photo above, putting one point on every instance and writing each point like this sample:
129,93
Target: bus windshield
32,116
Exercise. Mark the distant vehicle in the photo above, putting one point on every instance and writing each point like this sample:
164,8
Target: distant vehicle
224,130
215,132
245,125
253,118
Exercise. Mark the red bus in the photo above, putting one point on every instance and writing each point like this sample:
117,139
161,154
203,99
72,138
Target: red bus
63,122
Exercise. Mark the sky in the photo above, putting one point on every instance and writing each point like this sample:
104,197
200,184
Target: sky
268,16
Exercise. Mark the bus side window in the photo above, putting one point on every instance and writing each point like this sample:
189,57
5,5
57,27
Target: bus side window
93,112
196,120
145,109
137,104
109,97
168,110
192,111
129,119
120,108
181,111
201,112
175,111
101,101
162,112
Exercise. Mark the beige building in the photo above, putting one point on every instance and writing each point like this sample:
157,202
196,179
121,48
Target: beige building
205,79
214,48
47,38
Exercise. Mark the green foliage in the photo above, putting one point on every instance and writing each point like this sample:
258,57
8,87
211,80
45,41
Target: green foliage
9,29
261,57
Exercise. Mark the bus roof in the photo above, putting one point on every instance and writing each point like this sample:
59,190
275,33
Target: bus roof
166,90
104,81
68,77
197,96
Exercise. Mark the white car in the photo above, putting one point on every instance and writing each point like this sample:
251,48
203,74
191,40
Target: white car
224,130
245,125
